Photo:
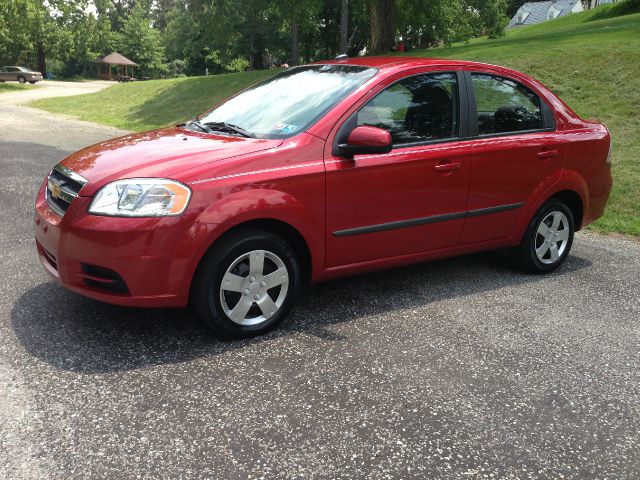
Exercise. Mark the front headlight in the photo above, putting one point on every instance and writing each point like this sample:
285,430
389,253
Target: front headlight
141,197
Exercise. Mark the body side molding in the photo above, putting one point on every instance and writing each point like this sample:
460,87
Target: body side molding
424,220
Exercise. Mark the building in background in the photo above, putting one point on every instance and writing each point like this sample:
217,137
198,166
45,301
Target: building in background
536,12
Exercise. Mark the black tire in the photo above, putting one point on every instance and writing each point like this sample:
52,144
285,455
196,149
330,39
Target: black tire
525,254
206,295
32,82
21,79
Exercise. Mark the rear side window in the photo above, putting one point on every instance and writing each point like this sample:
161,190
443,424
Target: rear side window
416,109
504,105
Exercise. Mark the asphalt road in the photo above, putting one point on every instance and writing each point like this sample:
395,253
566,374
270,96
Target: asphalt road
455,369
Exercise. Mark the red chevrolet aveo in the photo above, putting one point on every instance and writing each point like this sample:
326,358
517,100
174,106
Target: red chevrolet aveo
322,171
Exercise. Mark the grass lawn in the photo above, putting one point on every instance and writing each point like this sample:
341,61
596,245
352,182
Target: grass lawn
13,87
153,103
594,65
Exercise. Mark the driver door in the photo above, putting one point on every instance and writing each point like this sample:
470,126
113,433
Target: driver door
412,199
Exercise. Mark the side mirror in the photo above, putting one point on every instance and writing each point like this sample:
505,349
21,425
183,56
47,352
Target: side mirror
366,140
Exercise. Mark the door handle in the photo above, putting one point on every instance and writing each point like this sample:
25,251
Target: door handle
447,167
548,153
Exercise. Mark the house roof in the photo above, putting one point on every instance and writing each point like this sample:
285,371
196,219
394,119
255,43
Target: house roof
536,12
116,59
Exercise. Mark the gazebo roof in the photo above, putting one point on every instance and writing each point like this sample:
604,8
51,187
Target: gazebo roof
115,58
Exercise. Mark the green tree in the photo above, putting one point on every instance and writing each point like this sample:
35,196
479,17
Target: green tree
492,16
27,32
160,12
82,38
449,21
140,42
118,10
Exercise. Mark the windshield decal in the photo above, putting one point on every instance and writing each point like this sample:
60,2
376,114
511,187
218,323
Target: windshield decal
286,127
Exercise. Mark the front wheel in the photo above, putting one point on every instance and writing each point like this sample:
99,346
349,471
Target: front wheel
21,80
246,284
548,239
32,82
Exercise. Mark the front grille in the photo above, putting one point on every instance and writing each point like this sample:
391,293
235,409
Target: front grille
103,279
63,186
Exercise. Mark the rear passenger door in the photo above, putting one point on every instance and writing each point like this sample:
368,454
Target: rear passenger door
515,151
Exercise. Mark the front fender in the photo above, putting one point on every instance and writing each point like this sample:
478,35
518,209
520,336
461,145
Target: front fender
245,205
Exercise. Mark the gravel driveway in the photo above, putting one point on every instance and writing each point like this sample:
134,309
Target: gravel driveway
456,369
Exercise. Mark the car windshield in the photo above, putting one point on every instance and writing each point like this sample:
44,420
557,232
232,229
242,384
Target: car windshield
288,103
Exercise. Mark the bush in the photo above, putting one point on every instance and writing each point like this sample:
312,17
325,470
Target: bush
626,7
176,68
237,65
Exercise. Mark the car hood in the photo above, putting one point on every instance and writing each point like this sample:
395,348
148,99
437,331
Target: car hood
158,153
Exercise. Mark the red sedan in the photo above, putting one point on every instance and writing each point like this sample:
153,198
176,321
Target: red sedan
324,170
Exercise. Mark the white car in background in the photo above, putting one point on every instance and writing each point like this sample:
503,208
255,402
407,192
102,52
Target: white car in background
19,74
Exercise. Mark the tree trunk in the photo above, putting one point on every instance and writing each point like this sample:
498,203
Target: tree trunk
381,25
255,52
344,26
42,63
295,47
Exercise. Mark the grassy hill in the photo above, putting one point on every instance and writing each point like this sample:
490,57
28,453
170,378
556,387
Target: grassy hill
154,103
592,62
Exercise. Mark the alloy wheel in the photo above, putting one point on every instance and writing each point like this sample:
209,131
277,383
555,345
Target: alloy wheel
254,287
552,237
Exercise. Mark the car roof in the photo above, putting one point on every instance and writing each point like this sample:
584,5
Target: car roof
404,62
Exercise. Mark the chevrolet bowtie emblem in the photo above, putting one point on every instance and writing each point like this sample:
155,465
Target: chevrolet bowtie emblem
55,190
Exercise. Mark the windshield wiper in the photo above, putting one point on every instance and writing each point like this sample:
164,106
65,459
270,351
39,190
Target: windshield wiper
228,127
197,123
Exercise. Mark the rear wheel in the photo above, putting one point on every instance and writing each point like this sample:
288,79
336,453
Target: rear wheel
246,284
548,239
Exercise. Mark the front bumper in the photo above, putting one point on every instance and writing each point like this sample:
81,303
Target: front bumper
142,262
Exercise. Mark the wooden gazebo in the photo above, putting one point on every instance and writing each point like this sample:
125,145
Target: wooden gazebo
121,63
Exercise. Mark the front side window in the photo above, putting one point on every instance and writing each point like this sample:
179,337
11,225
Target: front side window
416,109
503,105
290,102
